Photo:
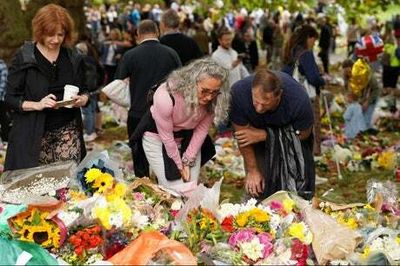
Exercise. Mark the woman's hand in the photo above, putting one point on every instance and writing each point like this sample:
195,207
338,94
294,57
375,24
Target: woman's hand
80,100
48,101
185,173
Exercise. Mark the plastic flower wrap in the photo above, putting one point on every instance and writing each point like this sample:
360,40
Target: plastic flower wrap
33,225
360,75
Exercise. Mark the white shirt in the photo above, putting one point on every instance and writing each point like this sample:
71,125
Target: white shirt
225,58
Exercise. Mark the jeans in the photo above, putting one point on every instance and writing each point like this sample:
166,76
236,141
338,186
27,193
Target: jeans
89,116
368,115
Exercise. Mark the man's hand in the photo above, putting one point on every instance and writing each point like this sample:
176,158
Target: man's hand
254,183
250,135
185,173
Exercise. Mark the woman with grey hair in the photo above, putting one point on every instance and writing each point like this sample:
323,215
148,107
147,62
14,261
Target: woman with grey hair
176,141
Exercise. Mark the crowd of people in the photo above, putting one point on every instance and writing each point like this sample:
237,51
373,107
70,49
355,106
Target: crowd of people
187,72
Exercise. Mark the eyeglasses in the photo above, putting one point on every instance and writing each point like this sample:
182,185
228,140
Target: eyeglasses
208,92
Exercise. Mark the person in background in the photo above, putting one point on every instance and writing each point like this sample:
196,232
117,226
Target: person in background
391,71
201,38
146,65
299,51
108,54
42,133
325,42
94,77
353,117
228,57
5,120
369,93
174,134
352,36
184,45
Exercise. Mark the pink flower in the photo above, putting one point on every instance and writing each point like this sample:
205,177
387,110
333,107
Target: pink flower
174,213
268,248
265,238
241,236
276,205
138,196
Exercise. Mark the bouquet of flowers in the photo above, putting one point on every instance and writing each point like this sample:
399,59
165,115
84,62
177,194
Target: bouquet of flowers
34,225
111,208
84,246
202,228
252,245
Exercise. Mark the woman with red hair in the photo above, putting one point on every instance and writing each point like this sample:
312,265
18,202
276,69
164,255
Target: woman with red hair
43,132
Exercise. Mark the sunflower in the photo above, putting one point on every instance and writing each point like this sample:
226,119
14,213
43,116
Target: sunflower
92,174
103,182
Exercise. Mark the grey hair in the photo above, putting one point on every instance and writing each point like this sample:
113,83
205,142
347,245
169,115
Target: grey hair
170,18
185,79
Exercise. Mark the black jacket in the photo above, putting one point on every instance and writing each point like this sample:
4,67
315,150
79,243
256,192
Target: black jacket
185,46
146,65
27,82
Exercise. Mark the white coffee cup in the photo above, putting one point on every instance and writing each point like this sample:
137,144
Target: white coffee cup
69,92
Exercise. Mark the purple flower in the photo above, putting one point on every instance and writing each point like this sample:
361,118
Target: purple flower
266,239
245,235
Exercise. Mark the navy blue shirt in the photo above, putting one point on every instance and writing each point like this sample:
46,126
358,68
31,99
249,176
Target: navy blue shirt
307,68
294,108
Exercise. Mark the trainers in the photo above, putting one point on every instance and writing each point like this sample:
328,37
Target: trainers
89,138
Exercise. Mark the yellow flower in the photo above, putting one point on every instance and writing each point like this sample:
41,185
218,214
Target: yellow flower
92,174
366,252
288,205
119,191
103,182
77,195
369,207
242,219
357,156
259,215
387,160
352,223
398,239
297,230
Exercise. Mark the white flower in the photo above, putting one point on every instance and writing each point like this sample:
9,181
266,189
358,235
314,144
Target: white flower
388,245
253,249
139,220
275,221
116,219
176,205
227,209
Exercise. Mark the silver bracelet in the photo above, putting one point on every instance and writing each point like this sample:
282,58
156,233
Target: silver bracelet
186,162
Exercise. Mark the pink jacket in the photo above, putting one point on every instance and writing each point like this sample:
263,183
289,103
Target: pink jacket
171,117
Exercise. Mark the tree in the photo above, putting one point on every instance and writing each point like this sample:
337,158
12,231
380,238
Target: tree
16,23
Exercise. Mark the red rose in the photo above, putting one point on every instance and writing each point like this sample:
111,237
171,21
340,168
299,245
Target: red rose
227,224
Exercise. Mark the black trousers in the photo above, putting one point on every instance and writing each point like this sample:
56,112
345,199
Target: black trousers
5,121
140,164
324,55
